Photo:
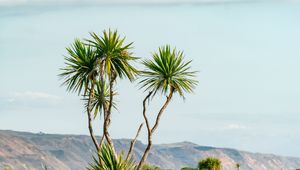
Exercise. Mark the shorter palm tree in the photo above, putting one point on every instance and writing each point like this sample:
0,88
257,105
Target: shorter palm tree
109,162
167,73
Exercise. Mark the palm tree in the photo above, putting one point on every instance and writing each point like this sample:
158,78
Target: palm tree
109,162
89,66
114,61
166,73
238,166
80,74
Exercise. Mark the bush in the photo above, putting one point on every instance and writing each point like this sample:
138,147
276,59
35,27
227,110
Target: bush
209,164
188,168
150,167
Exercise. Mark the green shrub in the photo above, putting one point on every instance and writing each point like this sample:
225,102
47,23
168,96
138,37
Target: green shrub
150,167
188,168
209,164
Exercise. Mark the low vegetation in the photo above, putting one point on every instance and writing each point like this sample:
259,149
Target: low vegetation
209,163
108,161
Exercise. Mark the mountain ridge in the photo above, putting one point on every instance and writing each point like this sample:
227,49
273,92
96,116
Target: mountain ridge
25,150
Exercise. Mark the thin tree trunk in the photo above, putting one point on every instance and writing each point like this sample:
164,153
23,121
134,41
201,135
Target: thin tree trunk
103,136
101,142
108,116
132,143
148,131
152,130
162,110
102,64
90,126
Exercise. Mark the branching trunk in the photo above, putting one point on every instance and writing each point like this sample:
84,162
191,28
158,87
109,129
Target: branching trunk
102,64
161,111
148,131
152,130
108,116
90,126
101,141
132,143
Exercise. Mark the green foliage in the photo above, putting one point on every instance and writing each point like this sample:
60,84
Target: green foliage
168,71
209,164
80,67
100,97
7,168
108,161
114,54
150,167
188,168
92,61
89,62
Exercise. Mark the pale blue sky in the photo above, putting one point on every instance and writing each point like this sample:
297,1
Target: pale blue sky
247,54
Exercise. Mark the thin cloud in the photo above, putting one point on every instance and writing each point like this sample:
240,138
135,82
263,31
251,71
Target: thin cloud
236,127
29,100
35,96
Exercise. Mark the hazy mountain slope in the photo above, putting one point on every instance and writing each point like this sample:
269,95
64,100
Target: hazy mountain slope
21,151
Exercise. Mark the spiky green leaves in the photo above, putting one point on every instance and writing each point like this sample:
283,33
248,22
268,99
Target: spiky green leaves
167,71
114,54
84,59
100,97
97,60
80,67
109,162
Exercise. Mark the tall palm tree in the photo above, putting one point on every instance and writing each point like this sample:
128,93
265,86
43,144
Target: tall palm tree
80,75
166,73
114,58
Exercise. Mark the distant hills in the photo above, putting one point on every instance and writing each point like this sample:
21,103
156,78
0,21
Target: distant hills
24,151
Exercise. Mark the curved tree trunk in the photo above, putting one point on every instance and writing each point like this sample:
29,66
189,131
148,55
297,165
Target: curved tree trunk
108,116
90,126
152,130
132,143
102,64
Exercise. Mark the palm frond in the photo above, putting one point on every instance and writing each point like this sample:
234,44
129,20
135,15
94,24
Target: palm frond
98,100
81,67
109,162
111,49
167,69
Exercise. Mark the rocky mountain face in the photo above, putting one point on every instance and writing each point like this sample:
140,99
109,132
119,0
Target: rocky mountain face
24,151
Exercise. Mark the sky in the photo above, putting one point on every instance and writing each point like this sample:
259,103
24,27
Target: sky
29,2
247,55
